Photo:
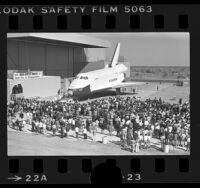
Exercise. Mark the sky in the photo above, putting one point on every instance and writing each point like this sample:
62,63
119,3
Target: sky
149,49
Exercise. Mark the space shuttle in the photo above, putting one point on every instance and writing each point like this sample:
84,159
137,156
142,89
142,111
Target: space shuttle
112,76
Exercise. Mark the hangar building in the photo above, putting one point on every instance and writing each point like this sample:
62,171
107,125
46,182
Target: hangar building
56,54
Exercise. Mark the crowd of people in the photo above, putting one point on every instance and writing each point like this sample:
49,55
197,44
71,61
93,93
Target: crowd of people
134,120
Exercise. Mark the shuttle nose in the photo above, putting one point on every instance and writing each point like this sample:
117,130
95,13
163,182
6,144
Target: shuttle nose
78,84
72,85
70,93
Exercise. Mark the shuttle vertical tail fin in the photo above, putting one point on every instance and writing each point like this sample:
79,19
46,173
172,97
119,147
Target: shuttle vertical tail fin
115,56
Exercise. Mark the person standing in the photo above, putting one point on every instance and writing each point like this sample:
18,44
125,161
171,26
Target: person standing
110,127
162,137
65,131
67,127
44,127
137,144
85,132
33,126
94,130
180,101
145,138
76,131
20,125
129,136
124,136
62,127
40,127
73,123
61,130
54,128
188,143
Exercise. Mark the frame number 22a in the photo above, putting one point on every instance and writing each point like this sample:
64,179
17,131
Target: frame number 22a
35,178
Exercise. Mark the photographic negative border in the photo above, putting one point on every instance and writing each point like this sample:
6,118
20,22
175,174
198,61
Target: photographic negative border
146,169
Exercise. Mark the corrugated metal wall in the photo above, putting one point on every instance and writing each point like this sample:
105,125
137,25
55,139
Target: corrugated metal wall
54,60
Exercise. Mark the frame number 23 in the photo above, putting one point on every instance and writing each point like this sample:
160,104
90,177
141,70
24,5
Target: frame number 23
133,177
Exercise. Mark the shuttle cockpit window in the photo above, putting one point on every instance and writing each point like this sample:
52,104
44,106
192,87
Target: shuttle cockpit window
84,77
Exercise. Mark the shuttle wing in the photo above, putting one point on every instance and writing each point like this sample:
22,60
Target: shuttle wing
128,84
97,87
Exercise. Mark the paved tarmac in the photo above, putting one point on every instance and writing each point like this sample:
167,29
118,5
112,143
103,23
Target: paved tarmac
35,144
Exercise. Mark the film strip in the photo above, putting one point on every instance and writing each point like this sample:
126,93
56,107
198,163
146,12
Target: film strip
64,168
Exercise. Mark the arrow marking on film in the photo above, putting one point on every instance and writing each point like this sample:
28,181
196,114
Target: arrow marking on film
15,178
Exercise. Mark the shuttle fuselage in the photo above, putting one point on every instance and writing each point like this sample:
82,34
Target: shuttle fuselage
98,80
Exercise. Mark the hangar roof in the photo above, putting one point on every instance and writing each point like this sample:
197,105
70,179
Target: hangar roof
68,39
